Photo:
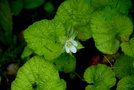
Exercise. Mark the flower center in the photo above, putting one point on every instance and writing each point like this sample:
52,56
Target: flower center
69,44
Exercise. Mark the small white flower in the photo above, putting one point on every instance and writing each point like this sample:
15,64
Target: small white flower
71,46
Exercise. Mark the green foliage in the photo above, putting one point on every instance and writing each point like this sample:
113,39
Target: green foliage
49,7
30,4
46,38
11,54
104,20
5,23
38,74
65,62
107,34
128,47
123,6
71,13
101,76
27,52
96,4
126,83
123,66
16,6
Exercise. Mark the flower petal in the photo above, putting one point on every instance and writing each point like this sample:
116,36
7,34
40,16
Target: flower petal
74,42
67,49
73,49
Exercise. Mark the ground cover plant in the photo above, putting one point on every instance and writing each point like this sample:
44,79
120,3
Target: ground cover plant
66,45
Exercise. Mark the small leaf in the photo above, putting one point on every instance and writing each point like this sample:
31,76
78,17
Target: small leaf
49,7
101,76
107,34
30,4
65,62
16,6
123,66
126,83
38,74
128,47
27,52
46,38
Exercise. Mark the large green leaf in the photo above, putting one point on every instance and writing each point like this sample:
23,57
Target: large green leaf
76,13
126,83
123,66
107,34
5,22
46,38
38,74
65,62
99,77
30,4
128,47
16,6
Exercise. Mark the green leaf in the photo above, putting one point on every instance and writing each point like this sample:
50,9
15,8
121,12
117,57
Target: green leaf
49,7
126,83
101,76
123,66
123,6
107,34
46,38
77,14
38,74
5,23
109,12
128,47
96,4
27,52
16,6
65,62
30,4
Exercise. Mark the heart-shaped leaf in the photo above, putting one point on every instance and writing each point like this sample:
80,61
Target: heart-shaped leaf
99,77
107,34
